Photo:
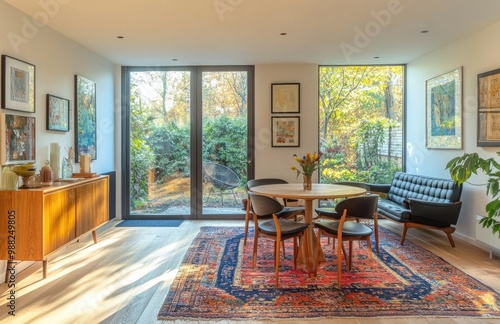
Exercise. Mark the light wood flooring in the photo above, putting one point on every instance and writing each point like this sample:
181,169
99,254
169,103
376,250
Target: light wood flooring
126,276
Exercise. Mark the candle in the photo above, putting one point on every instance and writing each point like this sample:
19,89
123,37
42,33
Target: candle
55,160
84,163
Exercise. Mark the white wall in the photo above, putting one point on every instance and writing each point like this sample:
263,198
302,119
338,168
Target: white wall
276,161
57,60
476,53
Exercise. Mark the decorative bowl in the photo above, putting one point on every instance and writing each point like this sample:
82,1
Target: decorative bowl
25,170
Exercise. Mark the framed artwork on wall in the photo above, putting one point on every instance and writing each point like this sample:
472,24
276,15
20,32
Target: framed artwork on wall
488,121
285,98
85,117
444,111
57,113
18,143
285,131
18,85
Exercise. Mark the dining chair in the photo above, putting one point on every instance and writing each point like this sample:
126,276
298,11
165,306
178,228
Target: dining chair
289,211
334,213
278,228
330,212
362,207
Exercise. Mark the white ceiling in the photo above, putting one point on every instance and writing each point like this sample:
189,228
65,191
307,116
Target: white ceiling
211,32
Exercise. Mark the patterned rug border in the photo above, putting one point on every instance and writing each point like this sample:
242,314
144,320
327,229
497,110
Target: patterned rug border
163,313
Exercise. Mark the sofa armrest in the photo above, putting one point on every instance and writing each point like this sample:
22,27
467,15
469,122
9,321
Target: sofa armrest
434,213
378,188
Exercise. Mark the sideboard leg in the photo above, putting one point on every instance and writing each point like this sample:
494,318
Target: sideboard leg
44,268
94,236
7,271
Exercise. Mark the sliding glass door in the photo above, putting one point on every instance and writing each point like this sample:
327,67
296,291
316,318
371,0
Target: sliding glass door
185,141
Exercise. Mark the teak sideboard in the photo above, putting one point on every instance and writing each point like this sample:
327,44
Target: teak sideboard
37,222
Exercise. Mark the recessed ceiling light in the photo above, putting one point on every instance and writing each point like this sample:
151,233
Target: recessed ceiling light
376,57
424,31
174,59
120,37
283,34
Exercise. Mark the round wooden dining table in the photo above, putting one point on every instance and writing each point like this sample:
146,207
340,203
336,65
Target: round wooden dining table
319,191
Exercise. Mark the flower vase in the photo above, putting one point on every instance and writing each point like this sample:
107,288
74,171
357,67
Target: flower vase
307,183
67,168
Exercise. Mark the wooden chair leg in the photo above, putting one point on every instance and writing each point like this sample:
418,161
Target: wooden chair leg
276,262
369,247
343,249
254,256
295,250
350,255
246,231
247,220
339,264
318,249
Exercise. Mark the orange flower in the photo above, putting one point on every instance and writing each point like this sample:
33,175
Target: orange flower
308,163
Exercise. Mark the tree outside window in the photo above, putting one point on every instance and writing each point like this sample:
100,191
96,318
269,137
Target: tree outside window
360,122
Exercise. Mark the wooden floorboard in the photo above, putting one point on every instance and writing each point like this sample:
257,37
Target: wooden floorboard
126,276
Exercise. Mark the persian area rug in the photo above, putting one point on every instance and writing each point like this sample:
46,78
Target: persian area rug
216,281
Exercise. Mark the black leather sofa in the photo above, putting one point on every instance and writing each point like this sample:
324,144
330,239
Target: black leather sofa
420,201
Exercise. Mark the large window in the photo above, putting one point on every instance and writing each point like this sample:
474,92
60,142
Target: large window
186,146
361,122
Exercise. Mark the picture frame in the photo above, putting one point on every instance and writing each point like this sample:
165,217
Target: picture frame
285,131
285,98
18,84
444,111
85,117
488,104
57,113
18,143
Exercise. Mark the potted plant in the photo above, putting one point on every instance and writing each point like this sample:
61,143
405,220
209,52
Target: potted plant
461,168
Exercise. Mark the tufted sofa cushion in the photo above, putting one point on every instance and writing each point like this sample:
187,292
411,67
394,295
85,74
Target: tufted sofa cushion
405,186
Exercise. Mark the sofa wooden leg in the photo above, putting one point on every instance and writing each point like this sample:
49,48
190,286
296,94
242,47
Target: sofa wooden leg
449,231
403,233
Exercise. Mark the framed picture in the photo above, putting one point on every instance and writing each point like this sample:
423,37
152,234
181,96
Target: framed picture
57,113
18,81
285,98
18,143
444,111
85,117
488,121
286,131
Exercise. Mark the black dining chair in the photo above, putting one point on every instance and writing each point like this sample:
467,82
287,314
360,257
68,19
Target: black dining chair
277,228
362,207
288,211
330,212
334,213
